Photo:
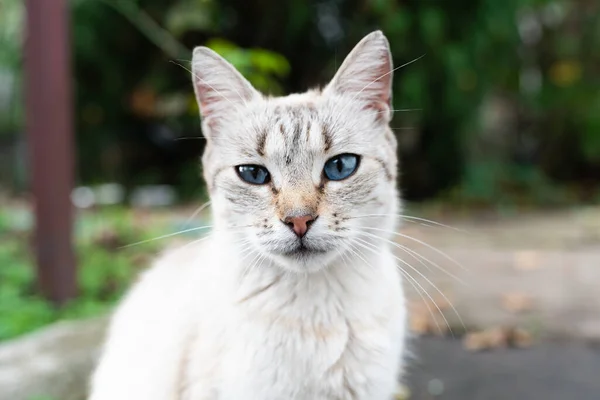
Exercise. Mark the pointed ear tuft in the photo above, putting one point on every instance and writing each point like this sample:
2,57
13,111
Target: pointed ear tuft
220,88
366,74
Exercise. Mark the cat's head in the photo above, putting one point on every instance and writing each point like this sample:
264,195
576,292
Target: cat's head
301,179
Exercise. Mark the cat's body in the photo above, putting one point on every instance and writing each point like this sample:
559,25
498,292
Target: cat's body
260,310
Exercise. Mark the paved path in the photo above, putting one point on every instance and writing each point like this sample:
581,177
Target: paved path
549,371
537,271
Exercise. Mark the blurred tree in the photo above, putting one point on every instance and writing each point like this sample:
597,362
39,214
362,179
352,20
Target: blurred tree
509,92
135,97
11,23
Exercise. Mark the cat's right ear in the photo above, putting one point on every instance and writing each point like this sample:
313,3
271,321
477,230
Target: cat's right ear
366,74
220,89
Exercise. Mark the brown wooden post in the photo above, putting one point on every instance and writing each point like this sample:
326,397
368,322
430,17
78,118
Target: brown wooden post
50,140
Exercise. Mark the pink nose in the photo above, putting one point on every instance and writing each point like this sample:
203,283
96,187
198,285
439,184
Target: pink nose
300,225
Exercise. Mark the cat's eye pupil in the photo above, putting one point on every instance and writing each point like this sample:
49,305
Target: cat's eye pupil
341,166
254,174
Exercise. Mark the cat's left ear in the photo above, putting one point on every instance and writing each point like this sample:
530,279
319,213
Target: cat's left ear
220,88
366,74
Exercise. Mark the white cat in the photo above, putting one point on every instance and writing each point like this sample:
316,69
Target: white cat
295,294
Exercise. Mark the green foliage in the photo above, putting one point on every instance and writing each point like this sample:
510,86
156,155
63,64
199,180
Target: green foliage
105,269
260,67
534,54
11,25
42,398
506,185
490,48
144,55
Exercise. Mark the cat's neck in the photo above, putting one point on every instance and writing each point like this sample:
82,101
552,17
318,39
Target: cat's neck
265,287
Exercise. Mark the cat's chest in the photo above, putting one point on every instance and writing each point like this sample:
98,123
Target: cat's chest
278,342
299,359
306,344
281,356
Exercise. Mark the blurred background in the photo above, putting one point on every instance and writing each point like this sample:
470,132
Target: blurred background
500,140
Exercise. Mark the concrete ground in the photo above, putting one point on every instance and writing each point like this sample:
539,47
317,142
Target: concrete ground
536,272
443,370
540,272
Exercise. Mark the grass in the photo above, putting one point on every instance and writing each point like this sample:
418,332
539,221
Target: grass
105,268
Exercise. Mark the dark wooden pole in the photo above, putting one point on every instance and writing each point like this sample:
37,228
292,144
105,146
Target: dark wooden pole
50,141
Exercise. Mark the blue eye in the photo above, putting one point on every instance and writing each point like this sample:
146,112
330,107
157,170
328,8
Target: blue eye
254,174
341,167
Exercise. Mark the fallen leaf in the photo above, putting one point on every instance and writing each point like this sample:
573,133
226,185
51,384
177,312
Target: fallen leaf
425,317
443,303
141,260
439,327
517,302
495,338
521,338
402,392
492,338
527,260
109,239
419,324
475,341
143,102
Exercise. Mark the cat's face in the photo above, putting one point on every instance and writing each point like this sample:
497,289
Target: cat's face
298,178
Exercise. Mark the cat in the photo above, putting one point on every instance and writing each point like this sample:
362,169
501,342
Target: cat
295,294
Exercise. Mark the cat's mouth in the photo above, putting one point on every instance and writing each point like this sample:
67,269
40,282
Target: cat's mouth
303,250
305,255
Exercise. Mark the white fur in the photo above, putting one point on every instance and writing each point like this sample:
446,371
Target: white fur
232,318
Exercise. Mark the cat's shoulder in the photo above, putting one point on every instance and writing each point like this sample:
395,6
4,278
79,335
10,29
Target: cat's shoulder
167,285
174,269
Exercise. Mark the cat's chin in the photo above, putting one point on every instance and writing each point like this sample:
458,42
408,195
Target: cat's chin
304,260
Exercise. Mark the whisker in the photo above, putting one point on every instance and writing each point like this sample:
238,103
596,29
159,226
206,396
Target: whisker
198,211
432,284
260,262
412,219
357,253
354,251
255,262
420,257
196,241
372,82
421,242
247,249
386,74
208,236
342,257
178,233
374,249
345,258
371,114
210,86
414,255
190,138
248,266
409,252
166,236
389,215
420,290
